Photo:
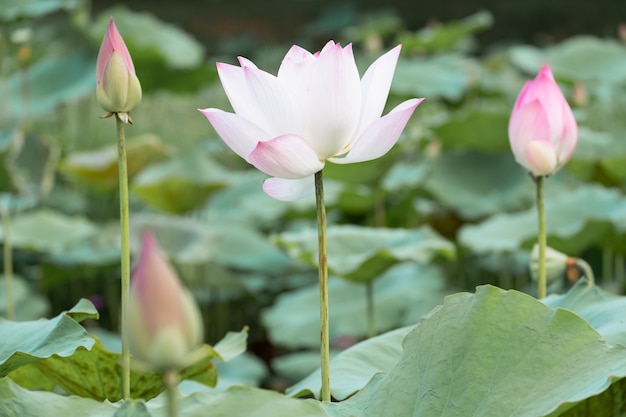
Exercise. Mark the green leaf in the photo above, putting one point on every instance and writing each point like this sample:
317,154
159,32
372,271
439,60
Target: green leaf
361,253
232,345
575,220
603,310
14,9
478,128
32,341
28,305
99,169
52,81
401,296
440,76
149,38
464,181
48,231
83,310
237,401
599,157
181,184
352,369
492,353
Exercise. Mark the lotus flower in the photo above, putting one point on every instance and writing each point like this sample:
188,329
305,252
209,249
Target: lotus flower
118,89
542,130
316,109
164,321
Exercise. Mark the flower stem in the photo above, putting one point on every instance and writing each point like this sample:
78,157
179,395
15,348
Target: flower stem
542,281
170,380
125,253
371,323
323,277
8,263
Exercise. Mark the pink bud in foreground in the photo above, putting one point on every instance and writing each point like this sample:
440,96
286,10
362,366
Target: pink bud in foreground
542,130
165,325
118,89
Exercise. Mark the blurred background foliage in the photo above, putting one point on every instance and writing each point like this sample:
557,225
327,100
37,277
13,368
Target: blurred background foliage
447,209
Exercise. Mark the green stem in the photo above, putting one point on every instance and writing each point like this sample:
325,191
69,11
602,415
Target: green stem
542,282
323,277
371,323
170,380
8,263
587,271
125,254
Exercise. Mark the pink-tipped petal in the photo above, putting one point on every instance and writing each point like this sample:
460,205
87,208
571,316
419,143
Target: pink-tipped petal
528,122
238,133
330,94
287,156
375,86
380,136
112,41
245,62
289,190
236,89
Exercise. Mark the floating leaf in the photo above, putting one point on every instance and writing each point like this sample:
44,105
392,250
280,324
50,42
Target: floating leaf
13,9
361,253
181,184
237,401
352,369
464,181
478,128
603,310
401,295
149,38
575,221
99,167
444,76
493,353
52,81
32,341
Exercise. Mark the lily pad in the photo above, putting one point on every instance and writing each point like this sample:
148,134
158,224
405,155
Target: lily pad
181,184
478,127
361,254
576,220
13,9
32,341
99,167
493,353
401,295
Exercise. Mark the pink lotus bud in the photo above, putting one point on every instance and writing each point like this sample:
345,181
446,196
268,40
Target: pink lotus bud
118,89
542,130
165,325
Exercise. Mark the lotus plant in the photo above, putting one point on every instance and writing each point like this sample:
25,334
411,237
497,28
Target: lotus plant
316,109
543,134
118,91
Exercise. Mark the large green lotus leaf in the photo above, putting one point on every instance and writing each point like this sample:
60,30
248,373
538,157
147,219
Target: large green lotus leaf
32,341
181,184
575,221
149,38
600,157
405,290
446,37
11,143
361,254
580,58
603,310
237,401
440,76
48,231
99,167
28,305
51,82
464,181
481,128
352,369
96,373
493,353
13,9
191,241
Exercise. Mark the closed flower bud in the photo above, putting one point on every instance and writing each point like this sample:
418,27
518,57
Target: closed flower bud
542,130
165,325
118,89
556,264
